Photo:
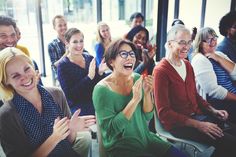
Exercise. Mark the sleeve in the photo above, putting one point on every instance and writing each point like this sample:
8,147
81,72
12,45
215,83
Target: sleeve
99,50
163,105
13,139
206,78
233,73
52,53
112,123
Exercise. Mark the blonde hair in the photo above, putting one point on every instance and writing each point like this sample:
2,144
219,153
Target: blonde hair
99,37
6,55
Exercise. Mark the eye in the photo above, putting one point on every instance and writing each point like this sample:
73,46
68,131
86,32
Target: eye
132,54
27,69
16,76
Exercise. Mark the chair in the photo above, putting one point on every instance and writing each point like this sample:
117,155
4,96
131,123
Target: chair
102,151
197,147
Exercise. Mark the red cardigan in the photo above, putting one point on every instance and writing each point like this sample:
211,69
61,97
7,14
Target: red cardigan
176,99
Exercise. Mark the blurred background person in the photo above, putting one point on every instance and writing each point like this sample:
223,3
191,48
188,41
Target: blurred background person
103,38
56,48
227,28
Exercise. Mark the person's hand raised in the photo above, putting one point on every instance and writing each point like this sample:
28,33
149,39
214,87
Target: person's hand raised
137,90
147,83
61,129
92,69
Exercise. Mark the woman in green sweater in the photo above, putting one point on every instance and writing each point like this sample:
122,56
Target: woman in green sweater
123,106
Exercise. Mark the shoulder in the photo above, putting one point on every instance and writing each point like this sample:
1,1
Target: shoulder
7,111
200,60
53,90
161,66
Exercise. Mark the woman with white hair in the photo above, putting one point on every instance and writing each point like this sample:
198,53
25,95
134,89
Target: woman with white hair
181,110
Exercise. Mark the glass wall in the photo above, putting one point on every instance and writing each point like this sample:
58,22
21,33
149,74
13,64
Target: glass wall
214,14
116,14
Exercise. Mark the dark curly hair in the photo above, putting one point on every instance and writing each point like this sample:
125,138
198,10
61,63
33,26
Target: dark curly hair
226,22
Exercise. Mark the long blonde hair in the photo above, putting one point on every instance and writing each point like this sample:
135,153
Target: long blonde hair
99,37
6,55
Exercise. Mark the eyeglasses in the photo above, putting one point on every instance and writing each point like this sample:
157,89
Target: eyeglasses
183,42
210,40
125,54
234,27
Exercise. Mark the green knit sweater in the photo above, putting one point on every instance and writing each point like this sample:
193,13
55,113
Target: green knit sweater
122,137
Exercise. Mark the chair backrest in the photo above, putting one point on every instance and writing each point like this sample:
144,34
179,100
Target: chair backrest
102,151
165,134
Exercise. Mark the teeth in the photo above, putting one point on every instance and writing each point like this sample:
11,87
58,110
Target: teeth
27,84
129,64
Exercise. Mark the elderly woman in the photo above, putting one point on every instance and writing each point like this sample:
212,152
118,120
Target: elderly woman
215,73
35,120
181,110
123,105
145,52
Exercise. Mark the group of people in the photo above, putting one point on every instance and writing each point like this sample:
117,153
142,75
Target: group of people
193,100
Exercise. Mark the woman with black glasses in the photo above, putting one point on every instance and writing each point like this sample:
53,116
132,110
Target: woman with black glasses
123,106
215,73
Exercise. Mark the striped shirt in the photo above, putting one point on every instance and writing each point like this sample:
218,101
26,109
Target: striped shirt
223,77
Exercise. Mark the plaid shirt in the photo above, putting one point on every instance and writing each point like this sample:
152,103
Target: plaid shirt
56,50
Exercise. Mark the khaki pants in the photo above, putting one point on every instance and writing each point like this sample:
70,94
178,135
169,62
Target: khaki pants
83,143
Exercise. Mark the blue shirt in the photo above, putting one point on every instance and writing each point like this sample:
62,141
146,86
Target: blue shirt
38,127
228,47
99,50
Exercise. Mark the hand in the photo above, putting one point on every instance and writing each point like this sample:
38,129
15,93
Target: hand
102,67
213,56
92,69
61,128
222,115
151,50
85,122
137,90
147,83
210,129
74,125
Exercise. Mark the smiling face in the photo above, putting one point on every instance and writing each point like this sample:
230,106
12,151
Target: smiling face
105,32
76,44
21,75
7,36
124,62
209,45
140,38
180,46
60,26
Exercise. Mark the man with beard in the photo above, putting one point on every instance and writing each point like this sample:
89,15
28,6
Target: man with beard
227,28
